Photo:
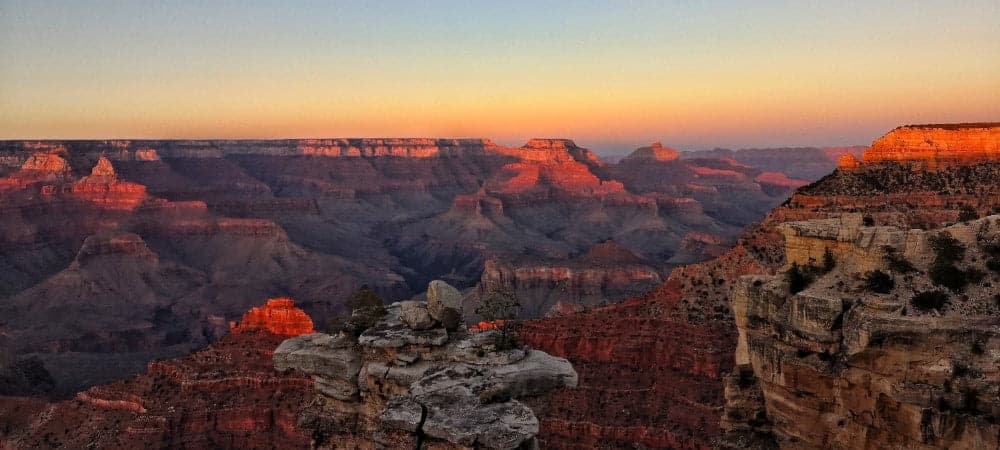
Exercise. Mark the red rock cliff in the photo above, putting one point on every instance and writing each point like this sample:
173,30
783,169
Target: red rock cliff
936,145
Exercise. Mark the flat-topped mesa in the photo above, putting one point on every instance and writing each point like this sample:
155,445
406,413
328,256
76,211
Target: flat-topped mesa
47,163
552,151
939,145
654,152
278,316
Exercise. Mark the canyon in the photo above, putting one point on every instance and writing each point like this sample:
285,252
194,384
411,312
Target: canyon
717,353
661,369
122,251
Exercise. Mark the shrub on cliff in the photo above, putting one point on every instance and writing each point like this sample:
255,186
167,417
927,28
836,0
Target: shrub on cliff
946,247
829,261
949,276
799,277
896,262
879,282
366,307
501,308
928,300
993,264
967,213
943,271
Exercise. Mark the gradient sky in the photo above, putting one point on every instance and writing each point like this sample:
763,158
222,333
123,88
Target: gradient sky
609,74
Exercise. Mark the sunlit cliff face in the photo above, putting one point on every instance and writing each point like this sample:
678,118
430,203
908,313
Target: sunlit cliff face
938,145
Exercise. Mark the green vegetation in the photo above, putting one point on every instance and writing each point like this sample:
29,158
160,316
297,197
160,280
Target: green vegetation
949,276
946,247
967,213
799,277
366,307
501,307
896,262
943,271
829,262
879,282
928,300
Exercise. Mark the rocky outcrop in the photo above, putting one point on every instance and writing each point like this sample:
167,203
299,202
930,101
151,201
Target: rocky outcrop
844,365
278,316
104,188
934,146
400,386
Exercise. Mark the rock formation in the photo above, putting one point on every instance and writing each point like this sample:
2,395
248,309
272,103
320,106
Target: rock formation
841,365
938,145
695,300
804,163
404,386
226,395
656,152
277,316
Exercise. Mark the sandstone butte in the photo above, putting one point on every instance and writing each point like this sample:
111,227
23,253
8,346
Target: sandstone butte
277,316
938,145
655,151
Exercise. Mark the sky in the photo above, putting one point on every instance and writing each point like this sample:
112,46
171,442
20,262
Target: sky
612,75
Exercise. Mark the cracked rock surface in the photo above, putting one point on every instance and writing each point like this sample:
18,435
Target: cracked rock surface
401,384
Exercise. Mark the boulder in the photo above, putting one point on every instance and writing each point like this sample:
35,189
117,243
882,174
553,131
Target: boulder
444,303
415,315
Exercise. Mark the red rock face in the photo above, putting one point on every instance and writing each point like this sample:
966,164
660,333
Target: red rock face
650,368
225,396
277,316
938,145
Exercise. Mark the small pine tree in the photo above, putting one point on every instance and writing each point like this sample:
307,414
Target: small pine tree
798,278
829,261
501,307
366,308
879,282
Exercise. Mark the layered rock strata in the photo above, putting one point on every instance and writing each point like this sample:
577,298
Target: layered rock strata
407,383
841,366
224,396
935,146
277,316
